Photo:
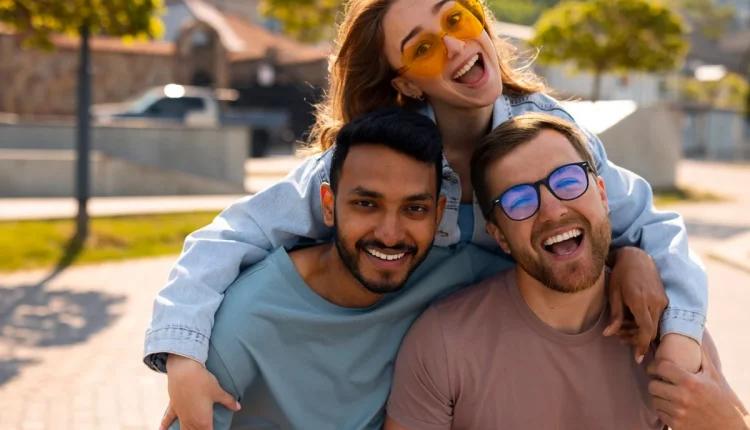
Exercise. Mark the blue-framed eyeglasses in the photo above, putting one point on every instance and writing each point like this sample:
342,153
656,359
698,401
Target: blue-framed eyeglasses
566,183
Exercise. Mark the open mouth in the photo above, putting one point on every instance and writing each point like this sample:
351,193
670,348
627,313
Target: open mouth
471,72
564,243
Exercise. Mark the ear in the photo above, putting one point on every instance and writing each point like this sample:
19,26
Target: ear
603,192
328,202
406,88
494,230
440,208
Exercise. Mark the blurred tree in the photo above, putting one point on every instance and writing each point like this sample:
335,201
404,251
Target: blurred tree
709,17
604,36
729,93
36,21
305,20
523,12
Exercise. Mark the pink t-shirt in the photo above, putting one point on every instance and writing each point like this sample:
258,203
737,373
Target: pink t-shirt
481,359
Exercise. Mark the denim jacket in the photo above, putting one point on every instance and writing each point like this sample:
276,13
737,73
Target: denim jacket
248,230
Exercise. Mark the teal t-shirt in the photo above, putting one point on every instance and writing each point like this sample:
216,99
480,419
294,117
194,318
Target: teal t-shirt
295,360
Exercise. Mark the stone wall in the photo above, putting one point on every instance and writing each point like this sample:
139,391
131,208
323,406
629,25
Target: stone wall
40,83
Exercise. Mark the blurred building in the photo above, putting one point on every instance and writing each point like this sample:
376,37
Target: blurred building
208,43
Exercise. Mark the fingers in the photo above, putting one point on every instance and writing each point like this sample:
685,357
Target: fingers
617,311
168,418
667,370
226,400
646,331
664,391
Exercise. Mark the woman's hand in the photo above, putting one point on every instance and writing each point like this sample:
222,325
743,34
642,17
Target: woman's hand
635,283
193,390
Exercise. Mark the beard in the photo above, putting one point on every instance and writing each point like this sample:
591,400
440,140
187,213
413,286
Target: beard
383,282
574,276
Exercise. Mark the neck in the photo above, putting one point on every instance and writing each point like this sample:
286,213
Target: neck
569,313
462,129
326,274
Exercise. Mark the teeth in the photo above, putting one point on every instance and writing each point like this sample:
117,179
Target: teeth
386,257
467,66
564,236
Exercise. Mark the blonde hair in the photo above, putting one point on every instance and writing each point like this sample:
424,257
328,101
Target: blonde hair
360,82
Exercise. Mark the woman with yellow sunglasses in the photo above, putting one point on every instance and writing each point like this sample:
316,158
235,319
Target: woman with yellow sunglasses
438,57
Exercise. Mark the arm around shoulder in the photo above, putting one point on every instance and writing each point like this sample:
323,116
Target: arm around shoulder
242,235
661,234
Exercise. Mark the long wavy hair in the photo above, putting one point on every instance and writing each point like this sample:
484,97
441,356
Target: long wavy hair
360,75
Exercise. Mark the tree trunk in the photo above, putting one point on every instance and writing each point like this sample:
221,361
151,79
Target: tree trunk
84,137
596,93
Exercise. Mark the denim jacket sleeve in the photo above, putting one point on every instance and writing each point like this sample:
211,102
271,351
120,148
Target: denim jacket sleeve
635,222
212,257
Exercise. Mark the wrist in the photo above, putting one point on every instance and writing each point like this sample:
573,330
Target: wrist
175,361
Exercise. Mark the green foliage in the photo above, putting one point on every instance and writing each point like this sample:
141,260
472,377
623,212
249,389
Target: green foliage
305,20
729,93
523,12
38,20
612,36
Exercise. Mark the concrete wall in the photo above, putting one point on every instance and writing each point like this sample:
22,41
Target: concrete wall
647,142
644,140
40,173
212,153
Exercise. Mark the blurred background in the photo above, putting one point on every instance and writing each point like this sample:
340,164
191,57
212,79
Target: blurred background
127,124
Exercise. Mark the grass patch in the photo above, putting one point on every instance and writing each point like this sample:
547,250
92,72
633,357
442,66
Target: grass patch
684,195
41,244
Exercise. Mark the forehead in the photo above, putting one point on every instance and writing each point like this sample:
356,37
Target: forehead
404,15
532,161
379,168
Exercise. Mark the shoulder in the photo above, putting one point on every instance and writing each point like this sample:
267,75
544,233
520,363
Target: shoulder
537,102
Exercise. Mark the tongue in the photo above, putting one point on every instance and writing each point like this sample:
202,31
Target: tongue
564,248
474,74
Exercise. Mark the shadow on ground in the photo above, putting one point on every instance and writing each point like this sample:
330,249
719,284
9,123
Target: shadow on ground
31,316
713,231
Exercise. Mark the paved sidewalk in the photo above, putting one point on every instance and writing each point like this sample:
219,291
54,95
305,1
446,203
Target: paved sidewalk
28,209
70,354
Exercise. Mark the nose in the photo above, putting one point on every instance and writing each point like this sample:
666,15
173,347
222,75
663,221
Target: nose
551,208
390,231
453,46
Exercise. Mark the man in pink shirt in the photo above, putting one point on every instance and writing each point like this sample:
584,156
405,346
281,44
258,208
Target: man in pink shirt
525,349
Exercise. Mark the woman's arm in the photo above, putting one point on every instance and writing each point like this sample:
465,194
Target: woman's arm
212,258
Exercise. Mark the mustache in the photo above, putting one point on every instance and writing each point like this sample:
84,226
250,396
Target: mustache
399,247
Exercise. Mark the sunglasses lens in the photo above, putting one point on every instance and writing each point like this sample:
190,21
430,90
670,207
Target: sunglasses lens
569,182
426,56
520,202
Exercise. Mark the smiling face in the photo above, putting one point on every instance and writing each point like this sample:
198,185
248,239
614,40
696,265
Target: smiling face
385,215
565,244
468,73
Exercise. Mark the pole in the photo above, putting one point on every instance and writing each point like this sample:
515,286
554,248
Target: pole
84,137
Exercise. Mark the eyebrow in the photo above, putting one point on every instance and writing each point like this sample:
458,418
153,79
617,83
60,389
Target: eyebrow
417,29
363,192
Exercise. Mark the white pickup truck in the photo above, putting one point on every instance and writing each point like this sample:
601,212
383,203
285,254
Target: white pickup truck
196,106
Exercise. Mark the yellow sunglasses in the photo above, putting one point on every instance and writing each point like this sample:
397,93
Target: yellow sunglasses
428,56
